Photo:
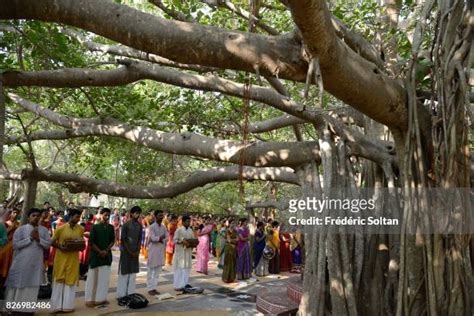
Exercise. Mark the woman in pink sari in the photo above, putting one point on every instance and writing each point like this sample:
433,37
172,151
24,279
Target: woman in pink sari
203,247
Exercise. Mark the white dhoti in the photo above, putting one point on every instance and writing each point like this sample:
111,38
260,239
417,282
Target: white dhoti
180,277
62,298
125,284
97,284
152,277
19,295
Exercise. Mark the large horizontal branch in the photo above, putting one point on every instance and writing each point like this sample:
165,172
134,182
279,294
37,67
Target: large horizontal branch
74,77
183,42
347,115
346,75
77,183
270,154
353,39
257,127
274,123
125,51
138,70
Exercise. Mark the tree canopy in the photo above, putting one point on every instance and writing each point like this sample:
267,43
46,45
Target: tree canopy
163,99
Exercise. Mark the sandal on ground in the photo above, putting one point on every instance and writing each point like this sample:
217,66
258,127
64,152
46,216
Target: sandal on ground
67,311
90,304
152,292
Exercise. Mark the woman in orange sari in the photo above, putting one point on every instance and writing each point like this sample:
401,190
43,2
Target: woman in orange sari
146,222
172,226
6,252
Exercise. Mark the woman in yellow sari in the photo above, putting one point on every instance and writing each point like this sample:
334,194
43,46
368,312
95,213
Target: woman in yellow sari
273,240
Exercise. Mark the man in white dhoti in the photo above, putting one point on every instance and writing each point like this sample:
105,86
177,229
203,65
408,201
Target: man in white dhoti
25,276
182,259
101,241
156,241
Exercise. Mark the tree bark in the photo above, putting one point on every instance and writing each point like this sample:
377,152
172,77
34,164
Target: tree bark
343,70
259,154
183,42
31,186
77,183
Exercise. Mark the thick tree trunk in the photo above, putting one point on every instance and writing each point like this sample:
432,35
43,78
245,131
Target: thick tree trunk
31,186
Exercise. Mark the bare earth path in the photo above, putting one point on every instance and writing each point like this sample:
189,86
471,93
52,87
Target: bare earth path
218,298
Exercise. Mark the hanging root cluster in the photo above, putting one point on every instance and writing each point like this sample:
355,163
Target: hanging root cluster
435,269
421,271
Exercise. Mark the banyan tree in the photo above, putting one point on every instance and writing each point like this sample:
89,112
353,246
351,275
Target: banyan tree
331,97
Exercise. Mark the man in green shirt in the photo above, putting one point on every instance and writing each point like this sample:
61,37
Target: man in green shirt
101,241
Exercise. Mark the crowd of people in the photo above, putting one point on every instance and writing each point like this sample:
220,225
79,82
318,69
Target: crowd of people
61,248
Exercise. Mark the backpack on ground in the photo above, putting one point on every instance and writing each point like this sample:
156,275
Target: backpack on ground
193,290
136,301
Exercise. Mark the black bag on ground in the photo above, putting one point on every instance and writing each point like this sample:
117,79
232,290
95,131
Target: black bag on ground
136,301
193,290
45,292
123,301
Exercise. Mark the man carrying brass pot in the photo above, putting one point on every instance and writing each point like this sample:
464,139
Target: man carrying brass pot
182,259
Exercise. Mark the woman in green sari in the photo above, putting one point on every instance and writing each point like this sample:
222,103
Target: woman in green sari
222,240
230,258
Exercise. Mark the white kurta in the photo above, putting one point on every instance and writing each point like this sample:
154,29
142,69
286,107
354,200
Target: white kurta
27,266
26,271
156,242
182,258
18,295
